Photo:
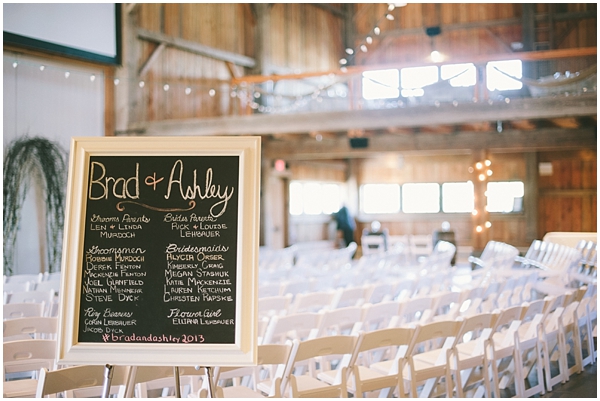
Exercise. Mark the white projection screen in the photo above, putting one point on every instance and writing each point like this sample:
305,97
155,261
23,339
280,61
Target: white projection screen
87,31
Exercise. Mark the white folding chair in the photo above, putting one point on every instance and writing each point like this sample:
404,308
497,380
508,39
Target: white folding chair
468,362
527,350
302,373
262,380
23,359
502,344
428,360
81,381
378,362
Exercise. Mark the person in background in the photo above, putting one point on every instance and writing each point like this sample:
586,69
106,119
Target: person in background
345,224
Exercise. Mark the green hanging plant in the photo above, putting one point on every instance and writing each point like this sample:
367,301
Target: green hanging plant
44,160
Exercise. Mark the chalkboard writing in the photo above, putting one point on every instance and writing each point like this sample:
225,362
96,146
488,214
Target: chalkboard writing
160,250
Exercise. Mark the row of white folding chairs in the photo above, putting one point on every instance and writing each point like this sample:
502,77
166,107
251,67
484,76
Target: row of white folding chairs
523,334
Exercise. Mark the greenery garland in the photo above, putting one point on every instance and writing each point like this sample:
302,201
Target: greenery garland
27,159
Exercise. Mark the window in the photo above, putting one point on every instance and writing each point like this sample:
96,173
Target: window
505,197
421,198
380,198
458,197
415,78
499,75
380,84
314,198
459,74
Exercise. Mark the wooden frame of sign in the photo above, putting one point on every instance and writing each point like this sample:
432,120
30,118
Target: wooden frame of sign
160,252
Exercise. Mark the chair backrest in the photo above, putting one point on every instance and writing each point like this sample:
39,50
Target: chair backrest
22,278
20,310
274,305
29,355
372,244
349,296
340,321
19,286
378,316
32,296
81,381
53,285
436,334
415,310
312,301
338,347
446,305
299,325
398,337
31,327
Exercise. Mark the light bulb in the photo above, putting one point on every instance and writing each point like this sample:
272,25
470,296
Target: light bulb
166,87
211,92
116,81
436,56
478,165
92,77
488,224
474,212
363,48
343,61
188,90
67,73
142,83
488,162
479,229
15,64
349,51
369,39
489,173
376,30
389,17
42,67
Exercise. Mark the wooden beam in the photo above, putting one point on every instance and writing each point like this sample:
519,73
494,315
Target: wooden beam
479,59
329,8
379,119
196,48
151,58
463,142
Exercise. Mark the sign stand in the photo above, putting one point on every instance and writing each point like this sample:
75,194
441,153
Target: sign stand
108,373
207,369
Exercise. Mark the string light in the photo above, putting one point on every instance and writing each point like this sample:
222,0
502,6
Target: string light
67,74
93,77
15,64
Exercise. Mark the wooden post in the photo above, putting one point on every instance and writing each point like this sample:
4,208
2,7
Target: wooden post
480,234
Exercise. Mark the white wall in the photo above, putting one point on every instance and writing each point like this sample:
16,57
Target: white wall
51,104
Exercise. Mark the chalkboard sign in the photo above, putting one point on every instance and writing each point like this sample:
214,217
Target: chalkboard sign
160,252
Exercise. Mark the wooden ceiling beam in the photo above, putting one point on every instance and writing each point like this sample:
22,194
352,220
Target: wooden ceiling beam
197,48
477,59
378,119
507,141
